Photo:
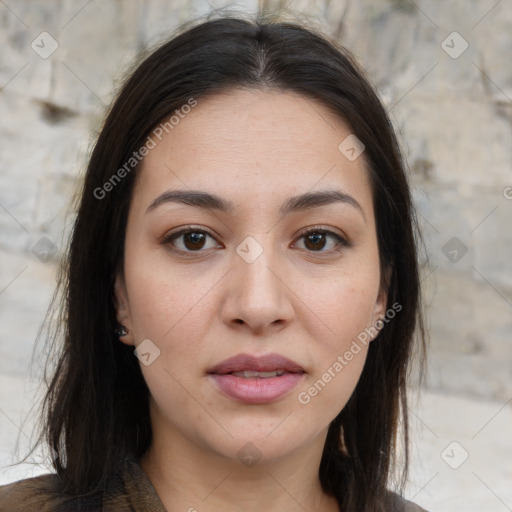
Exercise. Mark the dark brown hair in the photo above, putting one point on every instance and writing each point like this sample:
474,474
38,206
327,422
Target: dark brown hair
96,408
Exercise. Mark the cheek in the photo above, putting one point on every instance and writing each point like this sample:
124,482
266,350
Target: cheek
327,392
342,305
345,307
174,310
162,299
170,310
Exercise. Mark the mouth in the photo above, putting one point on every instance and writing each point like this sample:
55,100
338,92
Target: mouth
256,380
258,375
249,366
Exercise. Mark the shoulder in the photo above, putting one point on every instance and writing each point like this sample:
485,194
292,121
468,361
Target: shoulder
120,492
29,494
409,506
397,502
43,494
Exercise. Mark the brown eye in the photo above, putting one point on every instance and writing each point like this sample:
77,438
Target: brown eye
194,240
318,239
190,240
315,241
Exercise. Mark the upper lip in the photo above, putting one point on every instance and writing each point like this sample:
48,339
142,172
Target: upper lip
248,362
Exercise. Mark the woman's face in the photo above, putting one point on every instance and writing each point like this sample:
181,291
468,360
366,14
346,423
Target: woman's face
248,279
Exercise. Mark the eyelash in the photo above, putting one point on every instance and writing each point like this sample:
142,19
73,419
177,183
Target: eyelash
341,242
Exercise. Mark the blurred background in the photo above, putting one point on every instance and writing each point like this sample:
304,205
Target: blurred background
443,69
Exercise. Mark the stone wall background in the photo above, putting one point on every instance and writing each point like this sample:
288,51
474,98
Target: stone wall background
442,69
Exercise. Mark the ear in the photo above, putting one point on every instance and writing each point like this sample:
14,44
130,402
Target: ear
122,310
379,309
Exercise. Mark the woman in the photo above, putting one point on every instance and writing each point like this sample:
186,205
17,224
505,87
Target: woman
242,292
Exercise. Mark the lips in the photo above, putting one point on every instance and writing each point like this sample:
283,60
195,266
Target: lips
256,380
262,364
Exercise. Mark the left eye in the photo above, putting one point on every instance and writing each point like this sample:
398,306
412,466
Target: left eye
316,240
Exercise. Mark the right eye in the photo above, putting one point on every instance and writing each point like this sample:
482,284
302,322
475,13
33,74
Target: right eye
189,240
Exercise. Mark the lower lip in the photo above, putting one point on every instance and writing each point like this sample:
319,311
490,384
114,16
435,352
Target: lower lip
256,390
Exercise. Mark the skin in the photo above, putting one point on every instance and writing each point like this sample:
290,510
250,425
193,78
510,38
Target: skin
304,301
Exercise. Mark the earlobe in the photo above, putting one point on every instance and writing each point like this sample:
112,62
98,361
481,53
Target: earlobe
123,330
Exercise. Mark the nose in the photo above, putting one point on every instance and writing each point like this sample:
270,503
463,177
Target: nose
258,297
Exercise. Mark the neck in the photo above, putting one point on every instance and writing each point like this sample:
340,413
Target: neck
190,478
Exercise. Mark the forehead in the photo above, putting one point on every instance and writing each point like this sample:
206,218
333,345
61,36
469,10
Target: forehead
250,143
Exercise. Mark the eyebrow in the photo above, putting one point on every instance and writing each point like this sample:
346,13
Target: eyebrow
298,203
